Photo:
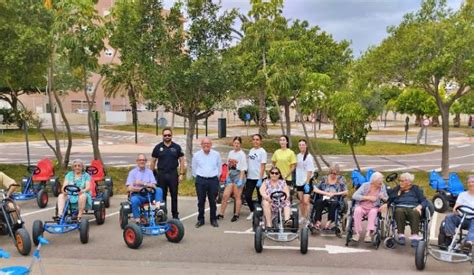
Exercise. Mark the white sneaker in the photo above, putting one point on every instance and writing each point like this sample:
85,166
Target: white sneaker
250,216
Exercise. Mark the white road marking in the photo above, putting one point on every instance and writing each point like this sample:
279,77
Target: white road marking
463,146
197,213
37,211
331,249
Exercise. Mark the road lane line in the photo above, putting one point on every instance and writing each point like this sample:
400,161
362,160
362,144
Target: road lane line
37,211
331,249
197,213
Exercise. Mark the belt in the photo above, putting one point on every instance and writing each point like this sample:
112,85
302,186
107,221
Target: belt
207,178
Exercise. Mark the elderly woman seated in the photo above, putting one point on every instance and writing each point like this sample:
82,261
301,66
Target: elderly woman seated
368,199
409,203
274,184
81,179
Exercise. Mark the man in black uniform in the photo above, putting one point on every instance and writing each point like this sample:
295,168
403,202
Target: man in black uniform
169,156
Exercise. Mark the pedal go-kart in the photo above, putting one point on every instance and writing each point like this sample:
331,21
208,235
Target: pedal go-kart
103,183
11,224
33,186
153,222
278,232
20,270
446,192
449,250
68,221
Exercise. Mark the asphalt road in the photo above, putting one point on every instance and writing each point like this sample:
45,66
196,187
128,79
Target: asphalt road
207,250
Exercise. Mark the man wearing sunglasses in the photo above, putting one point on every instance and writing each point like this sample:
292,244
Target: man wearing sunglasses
166,158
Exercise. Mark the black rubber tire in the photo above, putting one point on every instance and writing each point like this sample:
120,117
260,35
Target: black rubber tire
100,215
56,188
84,231
38,230
349,230
132,235
176,232
258,239
295,216
23,241
106,197
123,218
440,203
110,186
390,243
304,240
421,255
42,198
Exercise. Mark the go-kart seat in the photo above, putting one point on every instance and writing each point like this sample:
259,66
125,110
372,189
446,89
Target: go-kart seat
455,184
46,170
357,179
100,170
93,188
436,181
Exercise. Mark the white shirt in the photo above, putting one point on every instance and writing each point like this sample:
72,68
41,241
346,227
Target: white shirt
207,165
257,157
303,167
240,158
465,198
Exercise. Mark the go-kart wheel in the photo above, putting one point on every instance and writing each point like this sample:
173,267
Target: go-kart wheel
38,230
56,188
132,235
3,229
84,231
440,203
106,197
258,240
100,214
109,185
295,223
390,243
421,255
349,230
176,232
23,241
304,240
42,198
123,218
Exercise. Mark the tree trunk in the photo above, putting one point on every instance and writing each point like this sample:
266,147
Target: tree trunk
286,105
279,114
262,110
435,121
67,155
354,156
457,120
189,144
49,91
90,119
133,104
445,147
418,120
172,120
14,105
385,119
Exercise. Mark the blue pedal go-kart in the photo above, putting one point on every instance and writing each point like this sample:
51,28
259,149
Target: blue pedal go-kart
153,222
68,221
20,270
11,224
31,190
447,192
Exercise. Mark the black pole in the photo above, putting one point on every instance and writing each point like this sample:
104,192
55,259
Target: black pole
25,128
206,126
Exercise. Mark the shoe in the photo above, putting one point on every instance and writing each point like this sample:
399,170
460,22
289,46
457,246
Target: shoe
176,218
368,239
199,224
414,240
355,237
220,217
288,223
401,239
234,218
250,216
214,224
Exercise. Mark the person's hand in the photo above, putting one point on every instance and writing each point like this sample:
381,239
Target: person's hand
227,180
306,188
239,182
419,208
267,198
330,194
138,182
259,183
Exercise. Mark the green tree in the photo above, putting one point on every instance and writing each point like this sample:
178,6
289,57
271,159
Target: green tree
414,101
464,105
428,49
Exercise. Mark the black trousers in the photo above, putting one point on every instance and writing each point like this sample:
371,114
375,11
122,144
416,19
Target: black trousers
169,180
207,187
319,206
250,185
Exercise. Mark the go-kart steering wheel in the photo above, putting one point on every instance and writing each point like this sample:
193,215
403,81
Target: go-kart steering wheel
464,209
33,169
92,170
72,189
391,177
278,195
147,189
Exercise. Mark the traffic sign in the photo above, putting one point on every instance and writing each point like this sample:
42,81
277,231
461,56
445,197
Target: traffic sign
426,122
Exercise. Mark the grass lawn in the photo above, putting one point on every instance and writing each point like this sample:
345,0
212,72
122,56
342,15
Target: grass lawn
334,147
151,129
186,188
15,135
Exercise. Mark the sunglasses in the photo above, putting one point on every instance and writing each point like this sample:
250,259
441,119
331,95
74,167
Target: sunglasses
166,135
274,173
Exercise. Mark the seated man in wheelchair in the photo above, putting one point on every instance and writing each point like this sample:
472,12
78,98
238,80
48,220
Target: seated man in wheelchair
453,220
81,179
331,190
368,199
140,177
409,203
274,184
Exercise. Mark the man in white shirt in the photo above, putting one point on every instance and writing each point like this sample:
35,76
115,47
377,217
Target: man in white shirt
206,168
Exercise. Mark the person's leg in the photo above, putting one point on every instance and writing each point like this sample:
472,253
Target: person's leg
300,196
414,218
238,199
371,220
136,201
318,211
359,213
400,220
470,233
306,205
286,213
173,186
163,184
201,194
332,208
451,222
82,205
61,203
249,187
267,213
225,198
213,188
158,195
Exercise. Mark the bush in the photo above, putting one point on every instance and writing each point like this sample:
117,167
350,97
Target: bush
274,115
8,116
248,109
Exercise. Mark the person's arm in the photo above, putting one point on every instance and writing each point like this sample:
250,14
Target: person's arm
287,192
87,187
219,164
262,165
153,163
274,159
194,164
343,184
182,164
359,195
292,163
310,168
244,165
263,192
423,202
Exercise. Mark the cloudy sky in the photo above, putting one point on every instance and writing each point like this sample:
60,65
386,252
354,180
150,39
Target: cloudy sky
363,22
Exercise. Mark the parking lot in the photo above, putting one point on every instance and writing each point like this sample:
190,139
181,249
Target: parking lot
227,249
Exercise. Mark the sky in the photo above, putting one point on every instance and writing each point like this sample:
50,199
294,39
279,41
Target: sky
363,22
